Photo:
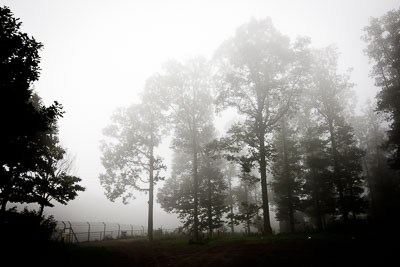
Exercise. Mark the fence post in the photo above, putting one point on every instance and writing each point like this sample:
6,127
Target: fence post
69,232
104,235
88,237
63,233
131,230
119,228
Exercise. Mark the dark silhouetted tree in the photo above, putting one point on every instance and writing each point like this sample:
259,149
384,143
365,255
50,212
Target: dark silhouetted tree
382,181
383,38
52,179
23,116
287,172
318,188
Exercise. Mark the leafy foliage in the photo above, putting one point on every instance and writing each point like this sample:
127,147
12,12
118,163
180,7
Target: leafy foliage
27,225
259,74
287,173
382,36
26,118
135,131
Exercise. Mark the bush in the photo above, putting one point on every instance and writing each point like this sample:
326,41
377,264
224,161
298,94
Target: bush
26,226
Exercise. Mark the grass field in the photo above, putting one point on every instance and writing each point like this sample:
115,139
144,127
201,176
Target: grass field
323,249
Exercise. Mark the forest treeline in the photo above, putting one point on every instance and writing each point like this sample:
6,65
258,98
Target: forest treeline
297,147
35,168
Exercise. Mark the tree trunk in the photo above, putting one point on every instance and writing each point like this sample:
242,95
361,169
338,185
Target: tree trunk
287,178
5,195
195,191
231,201
41,209
3,205
151,189
264,188
246,193
370,184
209,208
337,178
318,214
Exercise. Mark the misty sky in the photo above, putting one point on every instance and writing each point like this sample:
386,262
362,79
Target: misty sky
98,54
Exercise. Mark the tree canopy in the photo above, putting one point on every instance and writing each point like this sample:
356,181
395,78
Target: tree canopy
29,137
382,36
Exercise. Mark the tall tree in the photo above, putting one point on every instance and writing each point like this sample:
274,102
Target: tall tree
332,97
130,160
259,73
287,172
24,117
382,181
318,188
382,36
187,92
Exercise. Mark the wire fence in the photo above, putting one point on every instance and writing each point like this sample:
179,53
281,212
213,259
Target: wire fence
76,232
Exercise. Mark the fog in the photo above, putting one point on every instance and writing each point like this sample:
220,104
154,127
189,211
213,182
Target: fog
97,56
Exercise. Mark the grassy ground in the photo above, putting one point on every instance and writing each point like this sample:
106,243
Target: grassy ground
322,249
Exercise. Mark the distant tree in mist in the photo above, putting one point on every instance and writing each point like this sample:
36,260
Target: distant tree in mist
187,93
332,97
23,116
213,194
247,206
259,72
382,36
229,171
129,156
176,196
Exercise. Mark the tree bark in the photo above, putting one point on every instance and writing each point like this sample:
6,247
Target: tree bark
5,195
151,189
287,178
246,193
264,188
209,208
318,214
195,175
231,201
41,210
337,178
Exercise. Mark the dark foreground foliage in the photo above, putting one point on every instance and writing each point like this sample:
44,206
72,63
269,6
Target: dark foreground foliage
25,236
318,249
26,227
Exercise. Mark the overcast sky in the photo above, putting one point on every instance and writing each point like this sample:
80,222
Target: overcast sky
97,55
